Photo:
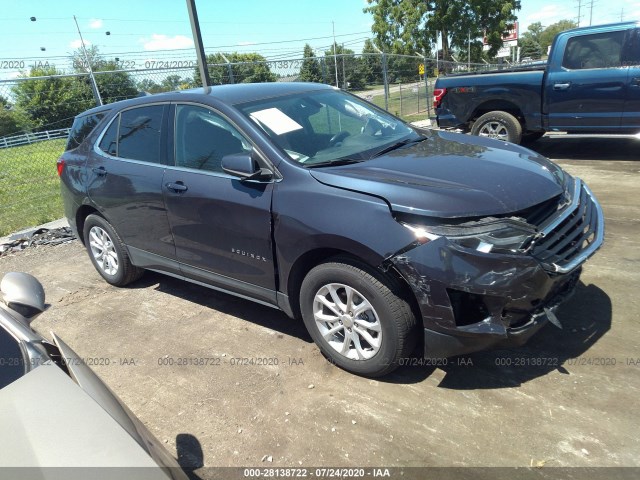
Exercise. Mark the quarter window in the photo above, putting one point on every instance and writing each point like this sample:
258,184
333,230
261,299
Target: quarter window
203,138
81,128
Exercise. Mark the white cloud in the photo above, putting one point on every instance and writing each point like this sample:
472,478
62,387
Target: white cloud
164,42
95,23
77,44
550,12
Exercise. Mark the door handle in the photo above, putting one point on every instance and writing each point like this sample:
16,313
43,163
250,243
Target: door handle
561,86
635,82
99,171
177,187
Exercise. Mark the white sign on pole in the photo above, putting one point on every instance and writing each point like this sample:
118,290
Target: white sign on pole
504,52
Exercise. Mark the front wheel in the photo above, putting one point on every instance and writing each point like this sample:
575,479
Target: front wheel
357,318
499,125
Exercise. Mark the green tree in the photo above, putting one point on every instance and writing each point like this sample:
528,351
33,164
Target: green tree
349,68
533,32
310,70
549,33
529,48
409,26
371,64
113,86
51,102
149,86
245,68
9,123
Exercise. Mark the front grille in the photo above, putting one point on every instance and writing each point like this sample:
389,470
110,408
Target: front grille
572,235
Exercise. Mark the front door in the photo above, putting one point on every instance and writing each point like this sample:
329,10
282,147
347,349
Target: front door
587,91
221,225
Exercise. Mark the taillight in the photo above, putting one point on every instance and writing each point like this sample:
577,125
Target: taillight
438,95
60,166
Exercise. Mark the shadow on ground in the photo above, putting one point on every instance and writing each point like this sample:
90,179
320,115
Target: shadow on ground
558,148
225,303
585,318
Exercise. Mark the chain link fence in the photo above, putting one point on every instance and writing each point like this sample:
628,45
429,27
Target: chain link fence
36,112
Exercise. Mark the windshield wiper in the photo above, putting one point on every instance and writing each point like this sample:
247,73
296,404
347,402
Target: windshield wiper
336,162
395,146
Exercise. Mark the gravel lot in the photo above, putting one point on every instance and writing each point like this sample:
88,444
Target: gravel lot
565,399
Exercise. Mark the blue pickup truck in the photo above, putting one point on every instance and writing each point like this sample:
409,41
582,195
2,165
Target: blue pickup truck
590,84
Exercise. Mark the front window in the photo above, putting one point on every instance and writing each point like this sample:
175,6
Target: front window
319,128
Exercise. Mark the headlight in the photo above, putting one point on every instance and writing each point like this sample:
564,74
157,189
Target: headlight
489,235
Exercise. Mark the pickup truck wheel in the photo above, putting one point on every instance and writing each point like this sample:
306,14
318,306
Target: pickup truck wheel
499,125
107,252
356,318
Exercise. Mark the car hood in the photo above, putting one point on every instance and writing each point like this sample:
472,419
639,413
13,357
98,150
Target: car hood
452,175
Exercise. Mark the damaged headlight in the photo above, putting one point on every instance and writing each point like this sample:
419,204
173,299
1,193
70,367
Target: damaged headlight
497,235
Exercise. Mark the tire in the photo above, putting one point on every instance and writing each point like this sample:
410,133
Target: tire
107,252
384,329
499,125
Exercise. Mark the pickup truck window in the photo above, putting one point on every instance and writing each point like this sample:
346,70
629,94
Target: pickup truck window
602,50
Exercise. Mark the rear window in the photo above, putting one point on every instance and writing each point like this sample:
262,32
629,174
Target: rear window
136,134
81,128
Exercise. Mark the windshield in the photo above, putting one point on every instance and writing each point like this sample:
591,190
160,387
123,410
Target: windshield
320,128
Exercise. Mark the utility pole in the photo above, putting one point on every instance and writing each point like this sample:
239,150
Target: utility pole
591,13
344,72
94,85
335,57
469,51
197,40
385,77
579,7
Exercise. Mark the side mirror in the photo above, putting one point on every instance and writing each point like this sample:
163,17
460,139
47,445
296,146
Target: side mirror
244,166
23,294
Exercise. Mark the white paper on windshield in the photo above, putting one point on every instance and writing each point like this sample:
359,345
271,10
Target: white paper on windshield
276,121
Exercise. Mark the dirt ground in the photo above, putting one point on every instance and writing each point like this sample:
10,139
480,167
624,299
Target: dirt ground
565,399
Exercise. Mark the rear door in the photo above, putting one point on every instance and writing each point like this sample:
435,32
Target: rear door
125,178
586,88
221,225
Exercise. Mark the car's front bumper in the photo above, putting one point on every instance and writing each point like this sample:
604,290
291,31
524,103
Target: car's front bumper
470,300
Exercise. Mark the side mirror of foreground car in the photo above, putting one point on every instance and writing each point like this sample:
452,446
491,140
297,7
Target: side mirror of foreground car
22,294
244,166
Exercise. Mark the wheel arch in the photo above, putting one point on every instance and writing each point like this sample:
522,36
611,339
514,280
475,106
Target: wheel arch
498,105
312,258
81,215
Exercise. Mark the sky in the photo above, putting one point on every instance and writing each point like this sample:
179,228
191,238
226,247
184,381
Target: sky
141,31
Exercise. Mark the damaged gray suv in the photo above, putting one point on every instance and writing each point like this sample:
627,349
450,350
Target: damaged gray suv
308,199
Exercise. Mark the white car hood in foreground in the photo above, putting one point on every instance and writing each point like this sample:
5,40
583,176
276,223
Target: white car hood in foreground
48,421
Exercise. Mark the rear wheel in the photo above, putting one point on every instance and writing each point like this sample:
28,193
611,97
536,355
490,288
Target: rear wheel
499,125
107,252
357,318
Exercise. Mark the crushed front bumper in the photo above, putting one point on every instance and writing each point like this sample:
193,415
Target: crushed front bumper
471,300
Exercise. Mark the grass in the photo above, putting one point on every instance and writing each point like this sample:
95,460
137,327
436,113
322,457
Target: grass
410,108
29,185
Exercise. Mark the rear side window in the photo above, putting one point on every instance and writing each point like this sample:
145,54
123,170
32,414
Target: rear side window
135,134
602,50
81,128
